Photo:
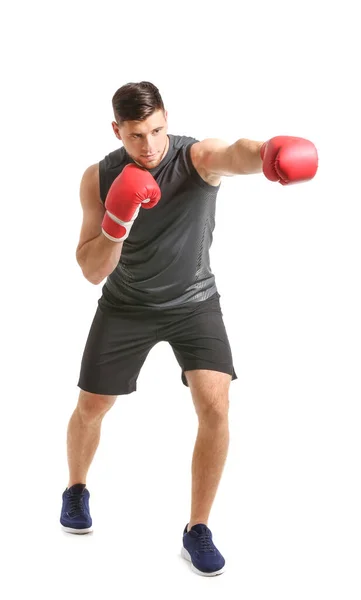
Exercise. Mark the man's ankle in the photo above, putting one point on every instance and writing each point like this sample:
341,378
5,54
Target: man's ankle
191,523
70,484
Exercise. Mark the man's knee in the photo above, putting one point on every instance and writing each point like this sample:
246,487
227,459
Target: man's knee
213,409
94,406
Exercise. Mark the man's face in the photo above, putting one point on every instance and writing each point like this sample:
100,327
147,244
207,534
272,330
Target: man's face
145,141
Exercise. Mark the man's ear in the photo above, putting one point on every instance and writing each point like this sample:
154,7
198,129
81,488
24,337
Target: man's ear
115,128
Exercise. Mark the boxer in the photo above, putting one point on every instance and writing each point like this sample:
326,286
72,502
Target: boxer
148,219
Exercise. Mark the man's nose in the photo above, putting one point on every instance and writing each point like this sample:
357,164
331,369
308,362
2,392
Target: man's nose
147,147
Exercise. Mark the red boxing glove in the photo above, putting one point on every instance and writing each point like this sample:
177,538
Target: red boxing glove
289,159
133,188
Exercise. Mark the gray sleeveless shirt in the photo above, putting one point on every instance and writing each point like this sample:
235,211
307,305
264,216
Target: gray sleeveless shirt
165,259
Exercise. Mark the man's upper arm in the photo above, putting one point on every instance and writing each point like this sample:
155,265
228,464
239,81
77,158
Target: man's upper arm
93,208
211,158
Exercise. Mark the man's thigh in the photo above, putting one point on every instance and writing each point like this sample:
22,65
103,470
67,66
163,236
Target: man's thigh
199,340
210,392
115,350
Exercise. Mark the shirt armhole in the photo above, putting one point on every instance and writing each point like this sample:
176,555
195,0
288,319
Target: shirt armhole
102,180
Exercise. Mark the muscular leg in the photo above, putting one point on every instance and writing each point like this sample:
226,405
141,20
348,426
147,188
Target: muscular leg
209,391
83,433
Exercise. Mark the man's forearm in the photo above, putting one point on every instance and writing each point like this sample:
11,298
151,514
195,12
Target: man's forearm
243,157
98,258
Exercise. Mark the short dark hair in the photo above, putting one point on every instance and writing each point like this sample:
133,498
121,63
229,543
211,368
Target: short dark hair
136,101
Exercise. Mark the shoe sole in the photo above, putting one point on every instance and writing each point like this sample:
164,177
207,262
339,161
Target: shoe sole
78,531
185,554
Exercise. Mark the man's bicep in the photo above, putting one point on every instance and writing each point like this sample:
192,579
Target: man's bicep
212,156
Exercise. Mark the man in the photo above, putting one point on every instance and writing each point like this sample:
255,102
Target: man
148,218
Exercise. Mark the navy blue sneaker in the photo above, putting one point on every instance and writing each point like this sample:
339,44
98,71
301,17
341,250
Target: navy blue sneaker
75,516
199,549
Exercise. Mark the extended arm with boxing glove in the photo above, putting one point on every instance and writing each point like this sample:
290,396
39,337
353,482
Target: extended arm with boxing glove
289,159
132,189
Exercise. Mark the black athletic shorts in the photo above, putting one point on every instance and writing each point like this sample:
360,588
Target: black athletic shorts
120,340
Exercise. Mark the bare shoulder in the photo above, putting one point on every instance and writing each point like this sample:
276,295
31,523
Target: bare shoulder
201,153
89,186
93,207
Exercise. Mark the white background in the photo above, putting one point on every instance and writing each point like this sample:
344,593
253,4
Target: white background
287,264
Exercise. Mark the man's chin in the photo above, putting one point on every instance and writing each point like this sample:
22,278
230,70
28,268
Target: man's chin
149,164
